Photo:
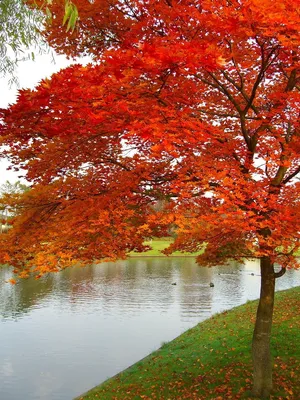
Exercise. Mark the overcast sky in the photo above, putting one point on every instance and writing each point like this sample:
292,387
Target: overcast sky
29,74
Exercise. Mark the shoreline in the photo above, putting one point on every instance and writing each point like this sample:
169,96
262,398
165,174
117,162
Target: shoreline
213,359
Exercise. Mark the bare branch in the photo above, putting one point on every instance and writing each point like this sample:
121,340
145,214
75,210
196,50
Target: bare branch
280,273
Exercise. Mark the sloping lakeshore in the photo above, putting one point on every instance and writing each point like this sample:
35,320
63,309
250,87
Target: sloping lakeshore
212,361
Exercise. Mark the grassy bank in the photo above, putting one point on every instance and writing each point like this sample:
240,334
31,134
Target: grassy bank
159,244
212,360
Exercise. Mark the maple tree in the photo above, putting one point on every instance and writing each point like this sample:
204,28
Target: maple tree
191,103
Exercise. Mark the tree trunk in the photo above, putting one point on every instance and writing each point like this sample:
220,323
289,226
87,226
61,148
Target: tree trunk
261,355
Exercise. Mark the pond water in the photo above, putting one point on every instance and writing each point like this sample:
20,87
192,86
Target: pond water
67,332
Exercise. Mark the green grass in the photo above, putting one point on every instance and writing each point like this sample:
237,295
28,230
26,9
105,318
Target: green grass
212,361
159,244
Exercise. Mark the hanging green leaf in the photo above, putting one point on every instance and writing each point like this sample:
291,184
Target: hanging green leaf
48,14
71,15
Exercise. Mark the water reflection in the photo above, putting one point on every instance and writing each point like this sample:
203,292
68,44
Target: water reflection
67,332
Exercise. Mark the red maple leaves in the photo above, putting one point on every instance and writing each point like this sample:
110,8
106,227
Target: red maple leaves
192,103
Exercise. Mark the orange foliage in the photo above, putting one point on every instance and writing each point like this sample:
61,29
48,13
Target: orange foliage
195,103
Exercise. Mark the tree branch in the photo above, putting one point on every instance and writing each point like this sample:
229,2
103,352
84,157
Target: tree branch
292,175
265,63
280,273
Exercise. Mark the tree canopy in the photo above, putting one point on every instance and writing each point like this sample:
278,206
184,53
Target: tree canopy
187,99
195,103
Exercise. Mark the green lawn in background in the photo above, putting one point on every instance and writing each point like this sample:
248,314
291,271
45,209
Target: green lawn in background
159,244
